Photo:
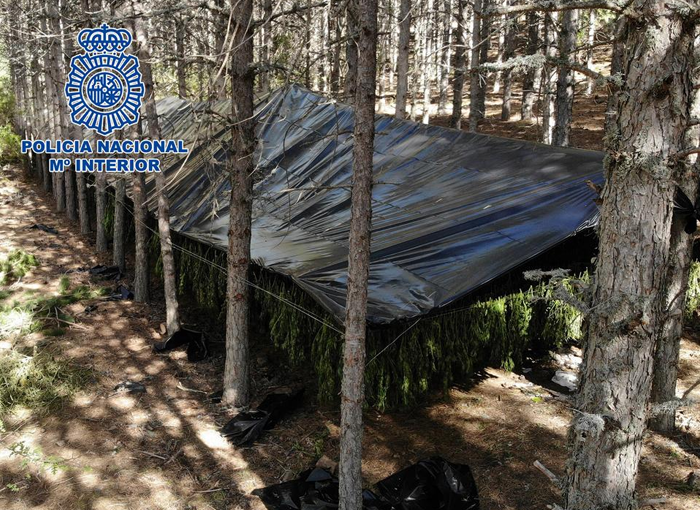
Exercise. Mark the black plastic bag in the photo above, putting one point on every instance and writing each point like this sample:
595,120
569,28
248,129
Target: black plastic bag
246,427
686,209
44,228
196,344
121,293
431,484
106,272
315,489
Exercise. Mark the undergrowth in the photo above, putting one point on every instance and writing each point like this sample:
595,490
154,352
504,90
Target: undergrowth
39,382
15,265
404,364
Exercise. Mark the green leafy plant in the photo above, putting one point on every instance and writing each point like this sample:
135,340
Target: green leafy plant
15,265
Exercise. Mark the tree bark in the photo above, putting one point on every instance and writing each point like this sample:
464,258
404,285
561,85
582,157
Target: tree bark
460,63
445,55
58,81
335,33
549,78
589,52
668,344
402,58
427,56
181,68
511,32
653,109
118,253
529,90
565,82
240,166
351,56
172,315
352,389
476,84
141,233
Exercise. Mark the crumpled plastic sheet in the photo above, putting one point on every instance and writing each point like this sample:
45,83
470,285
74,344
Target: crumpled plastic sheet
197,349
431,484
246,427
451,210
106,272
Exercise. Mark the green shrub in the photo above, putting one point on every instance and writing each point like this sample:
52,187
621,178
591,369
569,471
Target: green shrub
692,296
10,150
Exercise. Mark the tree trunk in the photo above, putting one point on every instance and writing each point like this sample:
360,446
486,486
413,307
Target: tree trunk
180,56
353,29
565,82
668,344
549,78
172,315
476,84
118,253
58,80
529,89
100,209
220,22
240,167
446,53
335,34
511,31
653,109
589,53
267,46
427,52
501,49
141,232
352,390
402,58
460,63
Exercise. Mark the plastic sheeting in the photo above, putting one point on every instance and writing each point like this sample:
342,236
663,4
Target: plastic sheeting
451,210
431,484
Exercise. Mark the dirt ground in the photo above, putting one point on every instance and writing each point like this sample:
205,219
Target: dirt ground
162,449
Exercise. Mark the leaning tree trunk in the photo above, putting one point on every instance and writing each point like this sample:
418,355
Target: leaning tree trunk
565,82
240,167
476,84
172,315
100,208
352,390
460,63
529,92
652,112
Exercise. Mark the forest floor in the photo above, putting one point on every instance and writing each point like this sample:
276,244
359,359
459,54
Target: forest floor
102,449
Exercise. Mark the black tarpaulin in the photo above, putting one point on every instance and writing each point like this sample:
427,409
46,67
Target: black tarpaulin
451,210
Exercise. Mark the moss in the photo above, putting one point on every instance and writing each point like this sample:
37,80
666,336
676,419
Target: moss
692,296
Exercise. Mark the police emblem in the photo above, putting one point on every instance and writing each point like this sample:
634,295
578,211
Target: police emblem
104,87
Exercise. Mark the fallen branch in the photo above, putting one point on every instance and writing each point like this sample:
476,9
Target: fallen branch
652,502
552,477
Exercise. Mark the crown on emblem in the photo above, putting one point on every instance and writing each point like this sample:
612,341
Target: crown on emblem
104,39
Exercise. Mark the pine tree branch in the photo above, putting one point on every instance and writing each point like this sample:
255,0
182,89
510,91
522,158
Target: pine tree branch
552,6
537,61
